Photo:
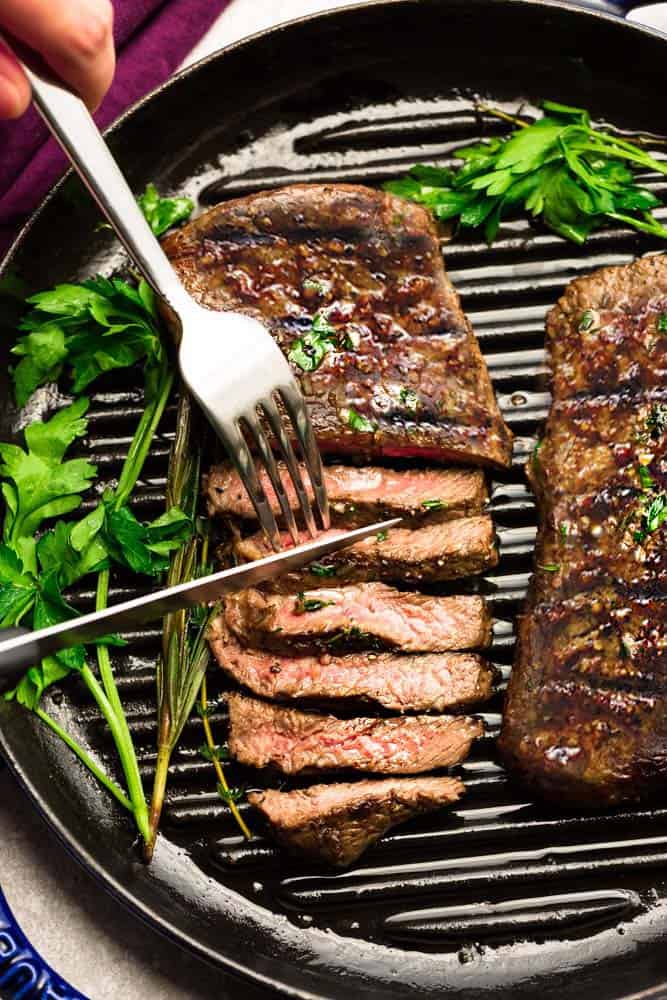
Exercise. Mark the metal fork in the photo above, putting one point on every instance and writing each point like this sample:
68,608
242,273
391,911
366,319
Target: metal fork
229,362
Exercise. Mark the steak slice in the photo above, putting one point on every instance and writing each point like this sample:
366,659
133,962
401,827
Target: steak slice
585,713
605,332
429,554
404,376
361,496
337,823
585,719
367,615
262,734
398,681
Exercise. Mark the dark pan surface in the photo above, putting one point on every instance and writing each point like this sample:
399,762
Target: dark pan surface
501,895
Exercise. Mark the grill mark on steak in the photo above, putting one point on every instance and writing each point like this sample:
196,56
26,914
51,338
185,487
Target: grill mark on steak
427,682
372,262
368,614
585,714
262,734
430,554
337,823
361,496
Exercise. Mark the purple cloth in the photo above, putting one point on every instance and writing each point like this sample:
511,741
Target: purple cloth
152,39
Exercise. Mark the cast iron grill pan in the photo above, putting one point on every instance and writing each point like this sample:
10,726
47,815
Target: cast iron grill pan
500,894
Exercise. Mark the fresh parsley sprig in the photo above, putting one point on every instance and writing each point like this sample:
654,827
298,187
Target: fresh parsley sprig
559,168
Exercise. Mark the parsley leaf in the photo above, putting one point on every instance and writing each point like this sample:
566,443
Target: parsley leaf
87,330
662,323
559,167
163,213
434,504
144,548
318,569
38,483
409,399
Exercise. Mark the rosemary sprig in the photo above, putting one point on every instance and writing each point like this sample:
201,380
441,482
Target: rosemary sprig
185,653
230,795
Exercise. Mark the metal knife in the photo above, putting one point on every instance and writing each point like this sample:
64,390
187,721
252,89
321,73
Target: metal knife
20,648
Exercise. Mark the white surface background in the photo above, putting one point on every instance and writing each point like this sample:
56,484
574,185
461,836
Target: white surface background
89,938
85,934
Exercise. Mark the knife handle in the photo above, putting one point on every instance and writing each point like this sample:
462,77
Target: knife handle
10,667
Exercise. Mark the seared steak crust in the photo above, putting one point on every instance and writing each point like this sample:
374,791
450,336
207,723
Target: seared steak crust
398,681
337,823
367,615
407,362
429,554
585,714
361,496
262,734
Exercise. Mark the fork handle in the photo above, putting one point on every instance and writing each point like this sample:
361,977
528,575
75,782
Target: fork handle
73,127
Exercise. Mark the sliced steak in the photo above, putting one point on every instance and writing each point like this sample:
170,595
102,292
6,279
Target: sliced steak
429,554
606,332
362,496
585,718
262,734
398,681
369,615
585,714
405,376
337,823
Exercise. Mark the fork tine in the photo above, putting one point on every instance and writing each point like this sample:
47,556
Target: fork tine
239,453
296,407
273,473
275,421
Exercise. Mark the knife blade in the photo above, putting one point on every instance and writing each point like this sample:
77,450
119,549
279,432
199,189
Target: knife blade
26,648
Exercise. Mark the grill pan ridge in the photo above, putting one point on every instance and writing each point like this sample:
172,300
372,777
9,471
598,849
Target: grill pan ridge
499,894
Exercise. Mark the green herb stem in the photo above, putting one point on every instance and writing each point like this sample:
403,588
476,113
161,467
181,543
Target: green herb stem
210,743
85,758
143,436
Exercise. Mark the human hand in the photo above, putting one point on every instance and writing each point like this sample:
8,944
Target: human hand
74,37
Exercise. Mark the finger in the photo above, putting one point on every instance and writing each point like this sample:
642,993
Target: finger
74,38
14,87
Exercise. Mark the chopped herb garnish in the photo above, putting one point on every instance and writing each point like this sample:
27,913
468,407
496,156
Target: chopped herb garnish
662,323
575,177
303,603
549,567
229,795
309,351
358,422
352,632
645,477
434,504
656,513
564,529
586,321
382,536
318,569
409,399
311,285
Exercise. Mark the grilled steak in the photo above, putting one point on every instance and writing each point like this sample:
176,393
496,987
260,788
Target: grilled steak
429,554
336,823
398,681
362,496
403,375
367,615
262,734
585,717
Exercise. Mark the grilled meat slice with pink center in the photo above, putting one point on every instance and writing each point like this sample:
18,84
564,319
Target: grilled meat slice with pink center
262,734
366,615
430,554
337,823
398,681
361,496
585,718
402,374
